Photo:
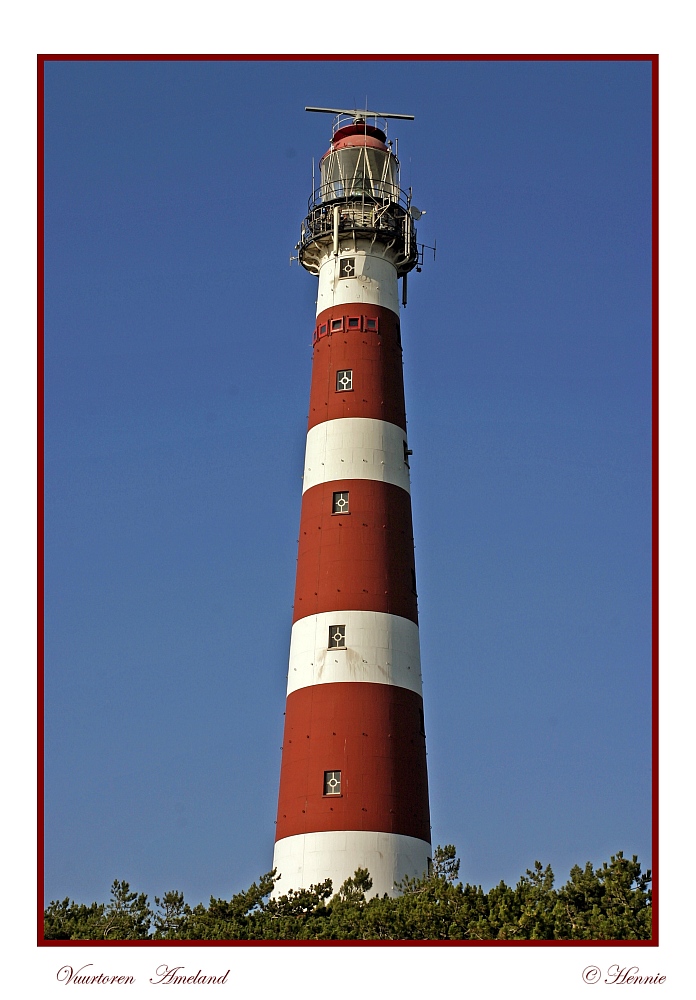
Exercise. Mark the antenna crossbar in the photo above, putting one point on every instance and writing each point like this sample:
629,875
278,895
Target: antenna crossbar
360,113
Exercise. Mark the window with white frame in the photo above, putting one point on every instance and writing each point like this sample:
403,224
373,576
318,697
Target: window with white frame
337,637
332,782
340,503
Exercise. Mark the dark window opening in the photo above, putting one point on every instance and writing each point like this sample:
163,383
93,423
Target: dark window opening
413,582
353,322
346,269
337,324
332,782
407,453
370,324
344,380
340,503
337,637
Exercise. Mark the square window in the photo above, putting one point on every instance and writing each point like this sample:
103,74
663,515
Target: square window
346,268
353,322
344,380
322,329
332,782
340,503
337,637
370,324
337,324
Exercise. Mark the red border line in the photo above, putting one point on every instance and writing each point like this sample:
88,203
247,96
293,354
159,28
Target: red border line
40,487
655,497
354,57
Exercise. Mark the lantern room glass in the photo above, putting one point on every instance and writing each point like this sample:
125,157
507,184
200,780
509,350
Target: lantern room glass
359,171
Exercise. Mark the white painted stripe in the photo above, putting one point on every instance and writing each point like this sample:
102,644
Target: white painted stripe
356,448
375,282
380,649
310,858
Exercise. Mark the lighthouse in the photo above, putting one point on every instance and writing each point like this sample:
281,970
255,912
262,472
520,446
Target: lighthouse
353,783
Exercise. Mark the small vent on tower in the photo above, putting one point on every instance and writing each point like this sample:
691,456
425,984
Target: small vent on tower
332,782
344,380
347,267
337,637
340,503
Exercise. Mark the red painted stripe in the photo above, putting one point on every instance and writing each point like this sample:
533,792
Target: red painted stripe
372,734
361,561
375,360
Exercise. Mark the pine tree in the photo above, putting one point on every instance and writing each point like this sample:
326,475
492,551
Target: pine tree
613,902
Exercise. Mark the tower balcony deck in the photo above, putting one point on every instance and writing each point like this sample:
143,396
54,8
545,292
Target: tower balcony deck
377,215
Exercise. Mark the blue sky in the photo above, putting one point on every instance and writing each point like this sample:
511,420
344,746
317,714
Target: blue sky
178,353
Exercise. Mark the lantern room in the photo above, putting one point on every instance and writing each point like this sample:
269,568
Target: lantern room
359,164
358,204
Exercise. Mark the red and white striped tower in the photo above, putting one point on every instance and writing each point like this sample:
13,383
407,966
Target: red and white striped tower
353,783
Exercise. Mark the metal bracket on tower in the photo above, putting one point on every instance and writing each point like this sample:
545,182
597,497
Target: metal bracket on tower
422,247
